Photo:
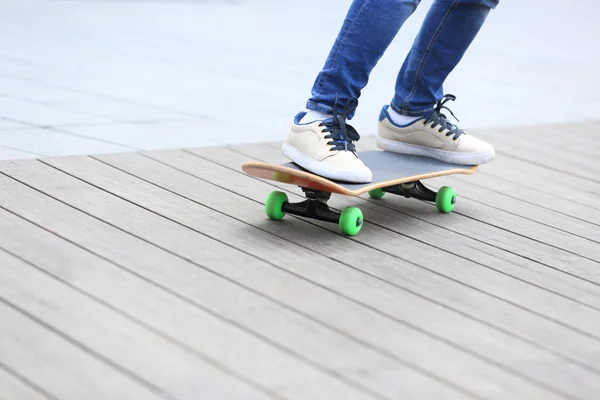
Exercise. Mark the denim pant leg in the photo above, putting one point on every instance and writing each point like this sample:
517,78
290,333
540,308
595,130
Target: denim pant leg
367,31
449,28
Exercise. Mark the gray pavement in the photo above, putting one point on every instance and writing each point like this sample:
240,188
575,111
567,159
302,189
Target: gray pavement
85,77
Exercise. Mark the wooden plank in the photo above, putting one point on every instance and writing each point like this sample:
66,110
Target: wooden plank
555,183
14,387
249,309
541,198
300,334
506,198
157,176
506,189
576,132
546,191
497,232
545,234
347,315
59,366
268,279
503,196
516,198
549,180
547,137
576,135
197,213
545,152
116,337
545,145
485,220
444,264
500,192
427,227
189,327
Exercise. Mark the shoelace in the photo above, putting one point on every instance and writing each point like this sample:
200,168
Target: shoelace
342,135
442,120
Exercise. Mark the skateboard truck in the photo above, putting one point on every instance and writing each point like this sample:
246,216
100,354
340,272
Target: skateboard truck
444,199
315,206
416,190
350,220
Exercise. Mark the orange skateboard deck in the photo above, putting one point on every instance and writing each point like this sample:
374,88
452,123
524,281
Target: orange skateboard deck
392,173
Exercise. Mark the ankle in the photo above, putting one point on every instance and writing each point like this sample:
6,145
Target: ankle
312,116
400,119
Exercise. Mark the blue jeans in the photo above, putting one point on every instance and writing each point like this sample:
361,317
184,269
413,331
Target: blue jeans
370,26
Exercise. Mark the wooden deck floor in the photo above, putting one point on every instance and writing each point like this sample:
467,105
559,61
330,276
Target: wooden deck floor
156,275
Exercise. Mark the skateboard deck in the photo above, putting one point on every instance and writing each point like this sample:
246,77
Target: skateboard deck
393,173
388,169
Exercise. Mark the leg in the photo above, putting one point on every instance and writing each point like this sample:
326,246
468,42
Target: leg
447,32
369,28
320,140
414,123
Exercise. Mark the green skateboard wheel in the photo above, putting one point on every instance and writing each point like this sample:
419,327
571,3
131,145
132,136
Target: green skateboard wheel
351,221
274,205
376,193
445,199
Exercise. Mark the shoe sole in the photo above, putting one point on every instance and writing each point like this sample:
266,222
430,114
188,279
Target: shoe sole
326,171
443,155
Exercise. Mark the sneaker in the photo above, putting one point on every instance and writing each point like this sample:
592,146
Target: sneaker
326,147
433,136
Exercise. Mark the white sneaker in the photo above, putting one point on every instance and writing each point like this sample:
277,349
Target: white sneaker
326,148
433,137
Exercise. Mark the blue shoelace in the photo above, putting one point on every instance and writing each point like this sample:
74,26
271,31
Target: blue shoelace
437,118
342,135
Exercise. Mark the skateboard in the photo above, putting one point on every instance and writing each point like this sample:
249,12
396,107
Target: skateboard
393,173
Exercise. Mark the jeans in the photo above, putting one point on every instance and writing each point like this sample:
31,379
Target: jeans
368,29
